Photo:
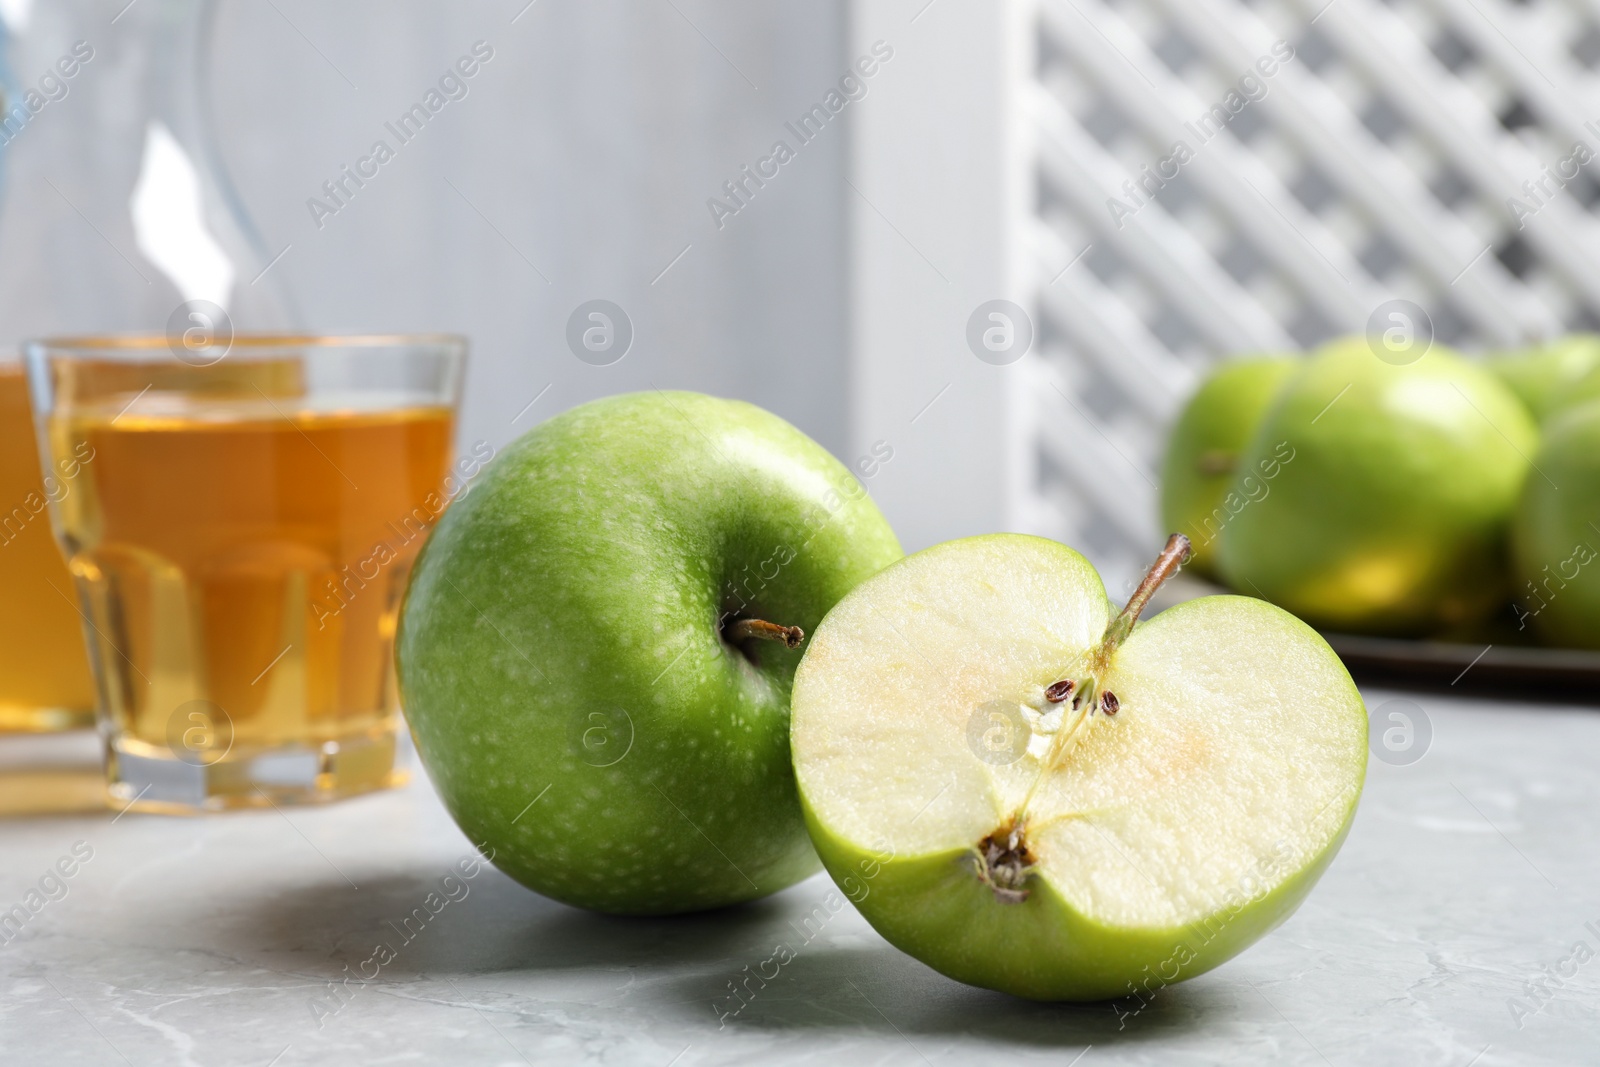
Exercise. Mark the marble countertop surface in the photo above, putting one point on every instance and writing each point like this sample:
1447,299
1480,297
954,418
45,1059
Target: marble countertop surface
1447,932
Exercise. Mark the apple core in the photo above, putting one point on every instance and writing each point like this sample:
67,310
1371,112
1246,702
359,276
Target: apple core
1003,861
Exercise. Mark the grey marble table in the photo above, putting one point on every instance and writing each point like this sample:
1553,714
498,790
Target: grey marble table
1445,933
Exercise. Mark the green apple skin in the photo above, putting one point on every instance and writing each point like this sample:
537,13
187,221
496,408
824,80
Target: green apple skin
1552,376
1390,508
1557,532
1203,450
932,908
560,654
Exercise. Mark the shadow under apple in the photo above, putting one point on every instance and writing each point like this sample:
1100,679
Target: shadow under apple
874,987
488,924
845,979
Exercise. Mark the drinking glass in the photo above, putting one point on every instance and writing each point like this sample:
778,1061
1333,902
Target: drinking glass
46,694
243,521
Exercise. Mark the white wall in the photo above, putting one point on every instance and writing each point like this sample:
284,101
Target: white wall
591,142
579,166
936,195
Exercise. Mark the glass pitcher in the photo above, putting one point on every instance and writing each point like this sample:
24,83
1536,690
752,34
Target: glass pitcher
117,216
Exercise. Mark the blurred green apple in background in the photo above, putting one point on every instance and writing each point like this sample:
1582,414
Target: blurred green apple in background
1391,510
578,651
1203,450
1557,532
1554,375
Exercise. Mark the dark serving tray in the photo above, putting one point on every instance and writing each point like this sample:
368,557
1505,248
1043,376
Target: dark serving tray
1499,665
1513,670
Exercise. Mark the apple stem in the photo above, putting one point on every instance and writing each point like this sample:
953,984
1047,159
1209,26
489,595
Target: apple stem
745,629
1166,565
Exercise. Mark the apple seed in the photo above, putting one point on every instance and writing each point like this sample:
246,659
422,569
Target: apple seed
1059,691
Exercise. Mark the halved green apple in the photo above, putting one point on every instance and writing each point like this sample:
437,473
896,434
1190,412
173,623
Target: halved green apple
1022,789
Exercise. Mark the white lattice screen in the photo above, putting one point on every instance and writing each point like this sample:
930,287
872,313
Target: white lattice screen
1376,163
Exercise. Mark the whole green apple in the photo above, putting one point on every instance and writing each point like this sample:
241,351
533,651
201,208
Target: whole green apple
1022,789
1553,375
579,650
1202,455
1391,504
1557,531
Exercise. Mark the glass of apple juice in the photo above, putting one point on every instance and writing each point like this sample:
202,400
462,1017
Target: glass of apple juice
47,757
243,520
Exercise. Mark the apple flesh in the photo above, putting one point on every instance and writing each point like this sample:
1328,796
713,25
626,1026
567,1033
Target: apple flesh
1202,457
1174,806
580,658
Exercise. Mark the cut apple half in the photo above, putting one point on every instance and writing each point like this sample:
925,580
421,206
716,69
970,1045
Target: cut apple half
1026,791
